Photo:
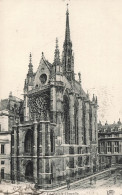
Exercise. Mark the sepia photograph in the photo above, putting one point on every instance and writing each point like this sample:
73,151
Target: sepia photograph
61,97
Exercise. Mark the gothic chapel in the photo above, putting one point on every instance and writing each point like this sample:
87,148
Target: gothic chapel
57,137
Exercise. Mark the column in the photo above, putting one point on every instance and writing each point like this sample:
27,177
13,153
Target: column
35,134
96,128
12,153
48,138
93,123
21,152
40,154
53,102
18,168
15,152
59,133
26,108
44,150
59,111
87,122
47,171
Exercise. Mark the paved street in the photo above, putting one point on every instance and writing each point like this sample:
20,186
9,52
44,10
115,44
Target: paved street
98,187
102,183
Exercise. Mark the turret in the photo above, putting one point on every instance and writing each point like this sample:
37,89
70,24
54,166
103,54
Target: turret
57,63
30,70
29,79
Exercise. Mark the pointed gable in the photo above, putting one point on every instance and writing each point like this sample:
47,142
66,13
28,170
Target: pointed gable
42,75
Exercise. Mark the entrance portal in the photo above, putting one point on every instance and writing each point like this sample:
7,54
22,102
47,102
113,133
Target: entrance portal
29,171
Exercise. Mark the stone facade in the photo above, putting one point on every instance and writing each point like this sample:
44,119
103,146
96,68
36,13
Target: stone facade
58,137
110,144
9,114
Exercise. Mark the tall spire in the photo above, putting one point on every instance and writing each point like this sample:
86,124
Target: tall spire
67,32
30,70
67,55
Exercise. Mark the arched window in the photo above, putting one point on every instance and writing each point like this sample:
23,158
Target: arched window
52,140
66,119
76,122
28,142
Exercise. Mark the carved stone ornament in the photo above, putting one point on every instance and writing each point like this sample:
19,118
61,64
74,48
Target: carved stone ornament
39,107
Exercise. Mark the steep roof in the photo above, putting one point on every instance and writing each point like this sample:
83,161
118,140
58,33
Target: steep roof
4,104
79,89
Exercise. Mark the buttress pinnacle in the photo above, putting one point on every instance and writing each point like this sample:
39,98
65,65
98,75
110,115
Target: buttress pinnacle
57,54
30,70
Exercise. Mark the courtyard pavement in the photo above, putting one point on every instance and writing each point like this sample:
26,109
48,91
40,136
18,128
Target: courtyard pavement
107,186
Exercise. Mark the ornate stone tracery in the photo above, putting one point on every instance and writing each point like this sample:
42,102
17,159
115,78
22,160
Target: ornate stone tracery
39,107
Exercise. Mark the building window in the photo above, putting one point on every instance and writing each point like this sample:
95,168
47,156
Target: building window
66,119
116,147
52,140
102,159
76,122
2,162
87,160
71,162
116,159
80,150
12,139
2,173
102,147
109,135
28,142
109,147
79,161
2,149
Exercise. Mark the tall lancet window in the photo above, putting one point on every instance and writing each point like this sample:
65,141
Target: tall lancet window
66,119
76,121
28,142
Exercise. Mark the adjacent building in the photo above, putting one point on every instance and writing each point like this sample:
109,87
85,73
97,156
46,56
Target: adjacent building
9,115
110,144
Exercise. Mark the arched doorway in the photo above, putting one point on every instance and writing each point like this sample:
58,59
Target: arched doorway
29,171
66,119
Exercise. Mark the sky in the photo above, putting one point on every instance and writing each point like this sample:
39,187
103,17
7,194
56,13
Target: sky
96,33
